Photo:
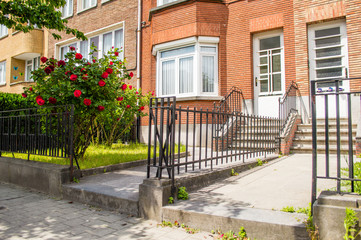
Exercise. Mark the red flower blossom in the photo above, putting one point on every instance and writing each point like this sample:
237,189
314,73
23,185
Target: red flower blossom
116,54
94,60
128,106
131,74
100,108
47,70
120,99
40,102
77,93
130,87
52,100
105,75
136,92
78,56
89,63
61,63
153,93
72,48
85,77
38,97
118,119
43,59
109,70
67,72
141,108
73,77
87,102
30,89
101,83
83,70
24,95
124,86
111,63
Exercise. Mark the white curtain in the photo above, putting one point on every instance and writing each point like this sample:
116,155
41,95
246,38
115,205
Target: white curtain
107,42
186,75
84,50
208,73
118,41
2,72
95,41
168,74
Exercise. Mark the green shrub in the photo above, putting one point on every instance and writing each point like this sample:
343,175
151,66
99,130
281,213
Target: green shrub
182,193
12,101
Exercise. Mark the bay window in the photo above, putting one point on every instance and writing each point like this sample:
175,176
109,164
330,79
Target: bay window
31,65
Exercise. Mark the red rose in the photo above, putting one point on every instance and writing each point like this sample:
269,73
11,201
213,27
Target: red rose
131,74
116,54
89,63
67,72
94,60
38,97
77,93
87,102
52,67
130,87
24,95
73,77
78,56
118,119
30,89
105,75
101,83
137,92
43,59
72,48
85,77
61,63
52,100
40,102
47,70
128,106
120,99
100,108
124,86
153,93
109,70
111,63
83,70
141,108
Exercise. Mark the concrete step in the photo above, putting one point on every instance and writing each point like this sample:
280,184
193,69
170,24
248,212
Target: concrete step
322,126
258,223
321,132
321,141
307,148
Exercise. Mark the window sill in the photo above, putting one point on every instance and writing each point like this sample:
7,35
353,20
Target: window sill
198,98
105,1
84,10
67,17
4,36
15,83
2,84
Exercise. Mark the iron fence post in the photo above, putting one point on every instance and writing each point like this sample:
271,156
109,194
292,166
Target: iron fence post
314,144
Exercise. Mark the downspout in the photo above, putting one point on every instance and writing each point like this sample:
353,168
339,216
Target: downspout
139,29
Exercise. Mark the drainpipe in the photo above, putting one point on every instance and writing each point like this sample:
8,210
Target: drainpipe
139,29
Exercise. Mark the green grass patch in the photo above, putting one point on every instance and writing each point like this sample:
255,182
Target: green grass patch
100,155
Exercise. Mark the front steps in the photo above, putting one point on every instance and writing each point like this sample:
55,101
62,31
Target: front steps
302,143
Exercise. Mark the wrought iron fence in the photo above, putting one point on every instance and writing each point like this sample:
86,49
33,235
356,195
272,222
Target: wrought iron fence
233,102
46,131
336,100
209,137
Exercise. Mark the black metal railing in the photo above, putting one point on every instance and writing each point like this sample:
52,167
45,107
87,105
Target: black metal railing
46,131
209,137
233,102
292,102
332,104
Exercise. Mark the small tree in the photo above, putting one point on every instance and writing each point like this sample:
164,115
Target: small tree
97,90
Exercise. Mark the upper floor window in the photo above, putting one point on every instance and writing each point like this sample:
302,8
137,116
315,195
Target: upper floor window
103,42
31,65
190,70
85,4
67,9
2,73
162,2
3,30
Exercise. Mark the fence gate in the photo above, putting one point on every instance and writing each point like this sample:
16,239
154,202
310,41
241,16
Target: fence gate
343,138
162,119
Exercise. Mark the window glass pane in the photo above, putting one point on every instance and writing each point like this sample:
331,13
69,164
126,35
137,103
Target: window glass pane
118,40
326,73
95,41
326,52
168,77
186,75
328,41
36,63
178,51
2,72
208,49
208,73
329,62
84,50
264,85
107,42
263,60
327,32
276,63
277,82
268,43
29,68
264,69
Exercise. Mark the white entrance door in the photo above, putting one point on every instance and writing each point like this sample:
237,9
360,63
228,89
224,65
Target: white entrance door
328,58
269,83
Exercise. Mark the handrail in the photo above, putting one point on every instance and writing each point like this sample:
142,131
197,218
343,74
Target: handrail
231,102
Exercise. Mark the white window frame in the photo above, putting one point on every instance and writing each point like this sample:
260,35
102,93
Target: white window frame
100,48
3,74
197,64
161,2
81,7
344,49
67,9
34,64
4,31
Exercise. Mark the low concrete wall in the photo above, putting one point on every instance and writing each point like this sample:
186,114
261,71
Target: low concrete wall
44,177
329,213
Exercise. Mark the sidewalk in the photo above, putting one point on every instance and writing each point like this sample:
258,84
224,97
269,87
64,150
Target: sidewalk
30,215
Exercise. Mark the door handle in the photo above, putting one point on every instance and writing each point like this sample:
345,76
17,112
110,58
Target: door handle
256,81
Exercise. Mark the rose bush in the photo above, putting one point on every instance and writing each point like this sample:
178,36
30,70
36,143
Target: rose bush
101,99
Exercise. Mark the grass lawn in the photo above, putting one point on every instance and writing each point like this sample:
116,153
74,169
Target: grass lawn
99,155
